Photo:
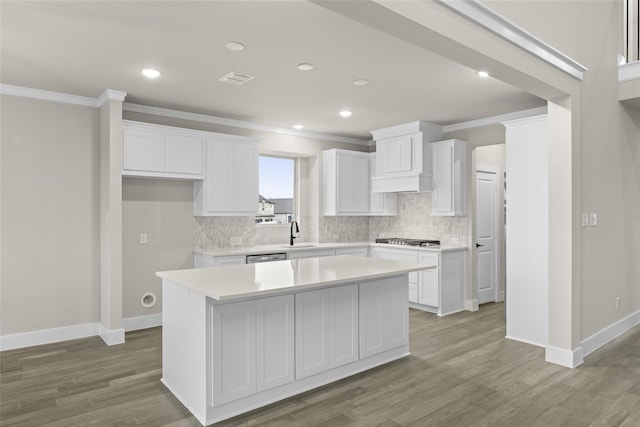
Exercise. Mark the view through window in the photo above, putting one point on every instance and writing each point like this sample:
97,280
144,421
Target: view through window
276,199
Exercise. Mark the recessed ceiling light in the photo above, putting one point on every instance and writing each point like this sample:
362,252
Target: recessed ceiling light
235,46
306,66
298,127
346,113
483,74
151,73
361,82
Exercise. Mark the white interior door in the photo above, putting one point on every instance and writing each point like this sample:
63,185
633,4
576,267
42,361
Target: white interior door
486,236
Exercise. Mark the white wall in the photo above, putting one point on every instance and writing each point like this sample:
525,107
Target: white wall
527,231
50,230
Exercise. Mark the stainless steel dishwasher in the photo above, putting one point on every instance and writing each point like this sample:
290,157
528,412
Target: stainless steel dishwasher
253,259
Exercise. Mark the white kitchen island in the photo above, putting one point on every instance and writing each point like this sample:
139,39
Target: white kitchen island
235,338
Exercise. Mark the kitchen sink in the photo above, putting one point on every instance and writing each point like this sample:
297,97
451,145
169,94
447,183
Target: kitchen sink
301,245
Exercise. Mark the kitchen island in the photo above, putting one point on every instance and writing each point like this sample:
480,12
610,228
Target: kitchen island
239,337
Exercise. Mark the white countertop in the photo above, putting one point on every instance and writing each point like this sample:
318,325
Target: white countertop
304,246
232,282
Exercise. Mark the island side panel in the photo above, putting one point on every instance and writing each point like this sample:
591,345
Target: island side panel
184,349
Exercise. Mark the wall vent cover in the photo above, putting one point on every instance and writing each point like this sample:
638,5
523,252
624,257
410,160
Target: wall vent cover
235,78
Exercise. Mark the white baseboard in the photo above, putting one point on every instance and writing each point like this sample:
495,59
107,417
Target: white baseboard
609,333
500,296
562,357
471,305
142,322
48,336
112,336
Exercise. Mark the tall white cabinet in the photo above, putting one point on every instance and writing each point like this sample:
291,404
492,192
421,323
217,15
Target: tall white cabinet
449,178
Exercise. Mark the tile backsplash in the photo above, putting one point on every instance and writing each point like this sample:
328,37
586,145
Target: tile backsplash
413,221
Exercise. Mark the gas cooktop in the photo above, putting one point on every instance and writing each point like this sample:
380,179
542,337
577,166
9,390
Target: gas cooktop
409,242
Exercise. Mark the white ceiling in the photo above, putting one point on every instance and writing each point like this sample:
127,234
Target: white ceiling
83,48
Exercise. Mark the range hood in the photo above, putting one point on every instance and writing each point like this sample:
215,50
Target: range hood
403,157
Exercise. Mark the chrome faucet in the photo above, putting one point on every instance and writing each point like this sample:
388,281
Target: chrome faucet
291,237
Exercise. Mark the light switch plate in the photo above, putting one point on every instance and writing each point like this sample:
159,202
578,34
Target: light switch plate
593,219
585,220
143,238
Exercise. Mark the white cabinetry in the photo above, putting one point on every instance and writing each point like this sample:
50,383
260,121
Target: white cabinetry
345,187
403,157
326,329
252,347
231,185
429,283
450,178
380,204
439,290
161,151
233,345
383,315
401,255
203,260
275,362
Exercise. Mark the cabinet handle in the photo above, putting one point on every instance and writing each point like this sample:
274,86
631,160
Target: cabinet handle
478,245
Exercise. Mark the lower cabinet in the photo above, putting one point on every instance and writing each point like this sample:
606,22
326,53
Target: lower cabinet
252,347
429,283
383,315
326,329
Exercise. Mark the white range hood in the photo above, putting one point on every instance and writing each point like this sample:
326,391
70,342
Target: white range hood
403,157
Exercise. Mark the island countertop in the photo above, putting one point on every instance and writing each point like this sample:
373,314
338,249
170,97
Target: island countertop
227,283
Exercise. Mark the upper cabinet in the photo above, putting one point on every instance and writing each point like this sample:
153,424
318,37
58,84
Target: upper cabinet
404,162
231,184
449,178
380,204
346,185
161,151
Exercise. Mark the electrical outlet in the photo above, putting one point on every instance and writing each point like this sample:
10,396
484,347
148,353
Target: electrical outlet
593,219
236,241
143,238
585,220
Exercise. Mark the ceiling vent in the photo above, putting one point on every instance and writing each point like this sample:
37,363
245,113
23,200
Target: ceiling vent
235,78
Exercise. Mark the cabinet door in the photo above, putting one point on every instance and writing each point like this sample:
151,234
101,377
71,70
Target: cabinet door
429,285
343,323
233,345
380,203
219,188
383,315
245,178
326,329
183,154
442,199
395,155
312,322
143,150
275,341
352,184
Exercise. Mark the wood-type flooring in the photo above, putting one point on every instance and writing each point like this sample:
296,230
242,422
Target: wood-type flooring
462,372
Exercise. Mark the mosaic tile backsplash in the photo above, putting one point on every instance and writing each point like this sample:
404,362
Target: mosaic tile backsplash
413,221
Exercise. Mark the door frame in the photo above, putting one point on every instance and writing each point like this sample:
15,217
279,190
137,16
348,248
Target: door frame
499,229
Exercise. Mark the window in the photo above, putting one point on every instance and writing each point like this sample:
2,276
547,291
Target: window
277,188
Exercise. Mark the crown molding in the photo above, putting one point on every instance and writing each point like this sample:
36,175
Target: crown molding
111,95
47,95
203,118
480,14
494,120
525,121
